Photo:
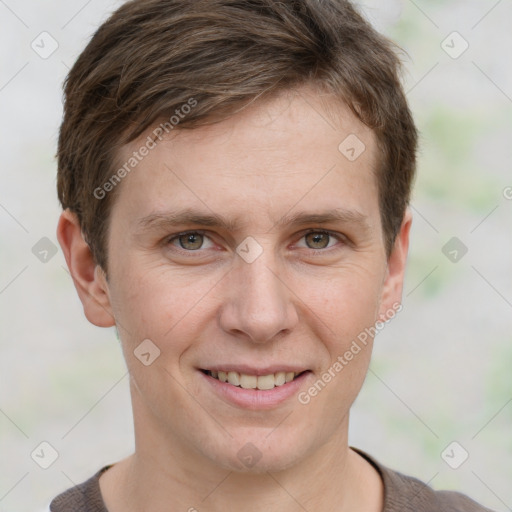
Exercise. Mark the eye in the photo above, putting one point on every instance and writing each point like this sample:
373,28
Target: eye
320,239
191,241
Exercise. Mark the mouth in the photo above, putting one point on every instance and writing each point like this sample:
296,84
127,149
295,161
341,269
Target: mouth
248,381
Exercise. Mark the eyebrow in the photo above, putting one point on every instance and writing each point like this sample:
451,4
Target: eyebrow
171,219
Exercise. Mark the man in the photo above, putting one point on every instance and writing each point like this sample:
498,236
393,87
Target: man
235,178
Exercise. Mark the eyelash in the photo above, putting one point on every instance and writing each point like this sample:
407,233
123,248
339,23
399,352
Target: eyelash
337,236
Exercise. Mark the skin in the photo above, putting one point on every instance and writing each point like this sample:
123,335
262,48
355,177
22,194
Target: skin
297,303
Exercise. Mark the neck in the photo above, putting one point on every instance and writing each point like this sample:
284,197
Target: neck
165,474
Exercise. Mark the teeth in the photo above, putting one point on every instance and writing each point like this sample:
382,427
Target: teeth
248,381
234,378
266,381
252,381
279,378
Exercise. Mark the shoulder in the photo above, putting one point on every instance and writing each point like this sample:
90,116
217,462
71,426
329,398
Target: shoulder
405,493
84,497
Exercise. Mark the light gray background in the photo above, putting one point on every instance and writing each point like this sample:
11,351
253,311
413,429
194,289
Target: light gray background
441,369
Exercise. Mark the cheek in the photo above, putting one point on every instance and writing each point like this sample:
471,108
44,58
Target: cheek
158,304
347,303
349,309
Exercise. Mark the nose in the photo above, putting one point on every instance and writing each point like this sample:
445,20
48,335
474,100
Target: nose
258,305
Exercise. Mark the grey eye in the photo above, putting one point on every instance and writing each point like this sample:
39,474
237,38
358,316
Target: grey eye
317,240
191,241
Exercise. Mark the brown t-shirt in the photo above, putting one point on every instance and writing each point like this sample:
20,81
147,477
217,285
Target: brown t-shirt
401,494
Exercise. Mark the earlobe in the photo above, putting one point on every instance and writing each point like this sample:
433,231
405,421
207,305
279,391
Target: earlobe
89,279
393,284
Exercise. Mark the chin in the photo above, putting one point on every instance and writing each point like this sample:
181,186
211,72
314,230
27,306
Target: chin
259,453
273,464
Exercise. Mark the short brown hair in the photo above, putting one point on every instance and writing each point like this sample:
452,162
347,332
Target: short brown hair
151,56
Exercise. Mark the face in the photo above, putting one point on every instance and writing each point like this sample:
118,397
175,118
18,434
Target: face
251,250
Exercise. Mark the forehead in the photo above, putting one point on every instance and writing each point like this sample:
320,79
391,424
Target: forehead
300,149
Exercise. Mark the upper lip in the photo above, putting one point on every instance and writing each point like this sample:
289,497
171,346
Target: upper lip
251,370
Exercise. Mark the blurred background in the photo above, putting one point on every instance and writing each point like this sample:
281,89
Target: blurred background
437,402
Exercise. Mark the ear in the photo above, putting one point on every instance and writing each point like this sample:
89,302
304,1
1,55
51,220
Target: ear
393,284
89,278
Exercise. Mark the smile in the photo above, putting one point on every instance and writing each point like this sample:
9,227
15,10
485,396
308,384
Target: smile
246,381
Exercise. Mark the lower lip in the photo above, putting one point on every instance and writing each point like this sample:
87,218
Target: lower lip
256,398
